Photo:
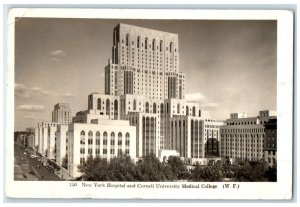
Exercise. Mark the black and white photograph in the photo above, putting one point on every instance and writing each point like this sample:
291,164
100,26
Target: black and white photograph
149,104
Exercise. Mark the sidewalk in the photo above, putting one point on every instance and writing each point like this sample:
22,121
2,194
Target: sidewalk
62,174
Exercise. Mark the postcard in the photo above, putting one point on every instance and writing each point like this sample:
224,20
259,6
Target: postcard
149,104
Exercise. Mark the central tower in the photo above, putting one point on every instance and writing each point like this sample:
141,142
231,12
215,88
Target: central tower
144,62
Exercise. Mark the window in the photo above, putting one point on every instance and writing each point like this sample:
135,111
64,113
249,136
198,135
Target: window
97,151
120,139
134,104
82,137
90,138
127,39
138,41
112,138
153,44
99,104
154,108
147,107
146,43
105,138
127,139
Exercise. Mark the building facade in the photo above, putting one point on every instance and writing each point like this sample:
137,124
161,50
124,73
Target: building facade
61,113
243,137
144,62
270,144
107,139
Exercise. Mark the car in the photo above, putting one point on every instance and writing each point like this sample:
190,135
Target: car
33,156
50,168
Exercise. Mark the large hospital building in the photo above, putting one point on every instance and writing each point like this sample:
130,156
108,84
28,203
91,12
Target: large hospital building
142,111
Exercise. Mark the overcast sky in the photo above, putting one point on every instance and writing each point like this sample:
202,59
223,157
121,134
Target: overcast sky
230,65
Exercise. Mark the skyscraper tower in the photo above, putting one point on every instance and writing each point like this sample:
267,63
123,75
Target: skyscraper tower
144,62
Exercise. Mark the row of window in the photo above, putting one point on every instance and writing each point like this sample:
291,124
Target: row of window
146,45
104,151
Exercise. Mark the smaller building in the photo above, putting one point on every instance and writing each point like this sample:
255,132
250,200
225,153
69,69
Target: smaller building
270,142
243,137
107,139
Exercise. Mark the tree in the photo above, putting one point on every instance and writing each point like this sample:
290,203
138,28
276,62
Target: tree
178,167
271,173
213,173
123,169
151,168
94,169
251,171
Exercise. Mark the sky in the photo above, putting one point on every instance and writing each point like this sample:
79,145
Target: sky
230,65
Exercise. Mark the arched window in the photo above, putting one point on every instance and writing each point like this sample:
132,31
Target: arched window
186,110
105,138
154,108
134,104
171,46
107,107
112,139
160,45
161,108
178,108
127,143
146,43
97,143
147,107
138,41
82,137
90,138
99,104
194,111
90,142
82,142
120,139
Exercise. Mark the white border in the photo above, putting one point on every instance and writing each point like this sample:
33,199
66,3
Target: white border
280,190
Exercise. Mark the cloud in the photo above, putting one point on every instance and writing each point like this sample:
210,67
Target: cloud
68,95
210,105
33,108
195,97
23,91
58,53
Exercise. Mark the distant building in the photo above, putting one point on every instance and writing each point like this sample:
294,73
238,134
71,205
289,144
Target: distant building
62,113
270,144
45,134
243,137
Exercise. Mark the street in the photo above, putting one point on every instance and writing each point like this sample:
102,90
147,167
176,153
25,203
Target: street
34,165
